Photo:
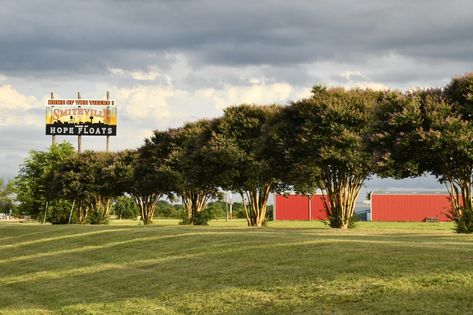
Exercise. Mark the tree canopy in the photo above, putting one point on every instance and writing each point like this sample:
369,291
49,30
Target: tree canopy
322,142
430,131
33,178
237,150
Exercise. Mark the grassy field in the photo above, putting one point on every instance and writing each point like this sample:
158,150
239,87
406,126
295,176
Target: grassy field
285,268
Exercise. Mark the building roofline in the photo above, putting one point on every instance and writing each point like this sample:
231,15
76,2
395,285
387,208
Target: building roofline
422,192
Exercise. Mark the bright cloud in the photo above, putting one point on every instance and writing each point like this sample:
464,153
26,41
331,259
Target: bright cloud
257,93
150,75
15,107
350,75
145,102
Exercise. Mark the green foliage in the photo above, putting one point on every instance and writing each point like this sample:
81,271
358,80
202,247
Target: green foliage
92,179
199,218
6,206
7,192
217,209
97,217
269,213
321,142
187,173
396,138
463,219
58,212
33,180
124,207
165,209
459,92
239,157
430,131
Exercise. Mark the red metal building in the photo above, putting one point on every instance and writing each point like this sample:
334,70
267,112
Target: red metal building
384,206
299,207
405,206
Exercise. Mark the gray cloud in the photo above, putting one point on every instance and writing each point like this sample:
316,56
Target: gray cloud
93,36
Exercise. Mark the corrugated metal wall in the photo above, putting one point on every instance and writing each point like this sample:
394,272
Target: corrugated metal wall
296,207
318,210
409,207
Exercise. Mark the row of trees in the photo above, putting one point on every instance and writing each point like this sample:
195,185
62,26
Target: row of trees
333,140
124,207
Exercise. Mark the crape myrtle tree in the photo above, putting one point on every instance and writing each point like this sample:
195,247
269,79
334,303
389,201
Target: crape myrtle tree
321,142
33,179
188,175
237,156
90,181
430,131
396,140
148,176
196,181
453,120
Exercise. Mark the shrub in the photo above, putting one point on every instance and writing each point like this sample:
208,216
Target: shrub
97,217
463,220
125,207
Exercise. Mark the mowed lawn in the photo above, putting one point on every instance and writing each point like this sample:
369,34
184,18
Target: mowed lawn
285,268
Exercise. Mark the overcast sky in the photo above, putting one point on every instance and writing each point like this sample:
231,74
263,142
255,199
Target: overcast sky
167,62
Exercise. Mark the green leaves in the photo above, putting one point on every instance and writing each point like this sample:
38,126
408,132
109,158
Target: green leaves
33,182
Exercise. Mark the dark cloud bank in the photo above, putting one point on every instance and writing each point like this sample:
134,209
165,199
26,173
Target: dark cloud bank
94,36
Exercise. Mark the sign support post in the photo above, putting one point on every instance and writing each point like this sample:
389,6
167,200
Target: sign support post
79,137
53,137
107,143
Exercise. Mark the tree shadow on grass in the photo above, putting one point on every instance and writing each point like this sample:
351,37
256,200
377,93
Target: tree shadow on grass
241,273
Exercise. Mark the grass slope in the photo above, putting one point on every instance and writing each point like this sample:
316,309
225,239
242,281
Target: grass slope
286,268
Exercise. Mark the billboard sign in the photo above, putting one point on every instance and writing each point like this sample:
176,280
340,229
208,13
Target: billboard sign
69,117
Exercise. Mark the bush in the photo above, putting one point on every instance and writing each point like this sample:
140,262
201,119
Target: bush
201,218
6,206
216,210
166,210
125,207
269,213
97,217
58,212
463,220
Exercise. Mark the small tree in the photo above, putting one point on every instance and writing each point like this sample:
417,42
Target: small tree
33,179
124,207
90,181
196,182
237,157
146,178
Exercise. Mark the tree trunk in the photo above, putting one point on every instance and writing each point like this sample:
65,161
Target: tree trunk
147,205
248,219
194,202
83,211
342,191
460,192
258,200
